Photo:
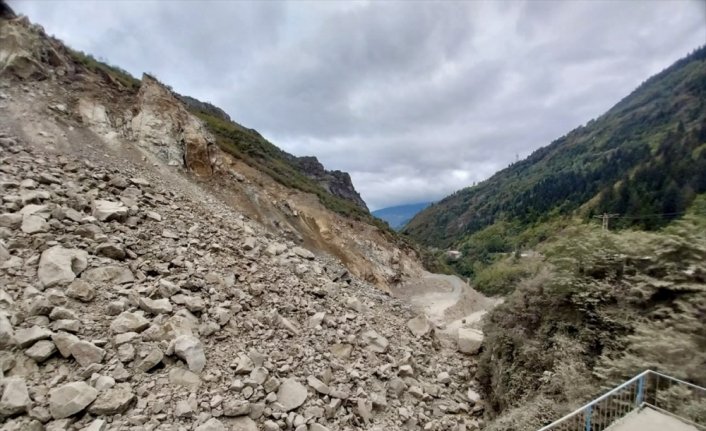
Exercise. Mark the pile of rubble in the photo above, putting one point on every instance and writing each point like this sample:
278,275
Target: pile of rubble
127,305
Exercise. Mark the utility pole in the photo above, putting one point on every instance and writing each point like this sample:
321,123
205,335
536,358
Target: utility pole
606,217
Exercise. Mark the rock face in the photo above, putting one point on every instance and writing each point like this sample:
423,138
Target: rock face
337,183
164,127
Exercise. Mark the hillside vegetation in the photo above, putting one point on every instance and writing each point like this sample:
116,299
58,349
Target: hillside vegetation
644,159
603,307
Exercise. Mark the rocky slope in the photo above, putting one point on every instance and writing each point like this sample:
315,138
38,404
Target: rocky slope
129,304
65,93
150,280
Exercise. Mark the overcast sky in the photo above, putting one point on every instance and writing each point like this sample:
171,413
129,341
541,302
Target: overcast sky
414,99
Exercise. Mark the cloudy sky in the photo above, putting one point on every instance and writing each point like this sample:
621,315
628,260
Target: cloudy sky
414,99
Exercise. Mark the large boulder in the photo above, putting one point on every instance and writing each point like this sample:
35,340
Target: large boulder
59,265
469,340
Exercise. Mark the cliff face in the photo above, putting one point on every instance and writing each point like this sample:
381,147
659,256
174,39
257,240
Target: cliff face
338,183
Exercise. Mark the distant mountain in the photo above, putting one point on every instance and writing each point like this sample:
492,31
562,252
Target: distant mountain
644,159
398,216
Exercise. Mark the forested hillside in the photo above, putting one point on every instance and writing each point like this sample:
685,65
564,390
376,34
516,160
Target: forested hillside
603,307
645,160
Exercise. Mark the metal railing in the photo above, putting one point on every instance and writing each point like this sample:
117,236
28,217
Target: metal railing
666,394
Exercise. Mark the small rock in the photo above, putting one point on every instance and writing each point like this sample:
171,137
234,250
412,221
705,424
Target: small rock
63,342
374,341
15,397
80,290
155,306
212,424
86,353
236,408
70,398
419,326
113,401
41,351
291,394
303,253
28,336
129,322
111,250
108,210
58,265
151,360
190,349
34,224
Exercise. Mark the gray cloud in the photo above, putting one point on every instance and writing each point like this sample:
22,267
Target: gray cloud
414,99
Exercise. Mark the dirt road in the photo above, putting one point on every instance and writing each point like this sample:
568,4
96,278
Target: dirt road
448,301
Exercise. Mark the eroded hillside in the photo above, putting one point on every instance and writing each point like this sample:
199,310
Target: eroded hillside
64,93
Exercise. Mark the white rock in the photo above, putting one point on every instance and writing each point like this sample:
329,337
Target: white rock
86,353
374,341
96,425
27,336
469,340
59,265
70,398
303,253
190,349
34,224
113,401
419,326
212,424
109,274
63,342
155,306
79,289
109,210
7,334
15,397
41,350
129,322
291,394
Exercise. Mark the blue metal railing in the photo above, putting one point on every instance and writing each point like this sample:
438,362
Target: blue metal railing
666,394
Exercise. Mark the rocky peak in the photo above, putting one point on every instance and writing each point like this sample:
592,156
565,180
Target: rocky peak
338,183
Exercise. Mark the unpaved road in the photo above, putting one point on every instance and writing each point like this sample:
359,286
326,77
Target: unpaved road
448,301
